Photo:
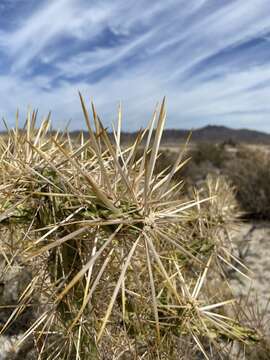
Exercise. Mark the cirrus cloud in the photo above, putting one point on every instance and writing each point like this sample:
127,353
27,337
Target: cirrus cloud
210,58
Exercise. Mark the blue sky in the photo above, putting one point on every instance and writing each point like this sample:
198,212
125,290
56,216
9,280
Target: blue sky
211,58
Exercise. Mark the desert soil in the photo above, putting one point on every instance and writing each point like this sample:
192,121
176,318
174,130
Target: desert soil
253,243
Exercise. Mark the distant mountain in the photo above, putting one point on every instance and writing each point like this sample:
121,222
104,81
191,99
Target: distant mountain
210,133
214,133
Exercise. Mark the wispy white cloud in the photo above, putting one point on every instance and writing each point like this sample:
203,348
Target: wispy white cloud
137,52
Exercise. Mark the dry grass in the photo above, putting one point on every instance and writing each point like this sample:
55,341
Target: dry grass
249,172
121,260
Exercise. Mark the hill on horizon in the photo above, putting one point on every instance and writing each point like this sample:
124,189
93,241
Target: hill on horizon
216,133
209,133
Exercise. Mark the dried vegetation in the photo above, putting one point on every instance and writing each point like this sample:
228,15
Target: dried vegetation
123,263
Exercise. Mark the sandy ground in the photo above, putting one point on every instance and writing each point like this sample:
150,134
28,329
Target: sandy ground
253,242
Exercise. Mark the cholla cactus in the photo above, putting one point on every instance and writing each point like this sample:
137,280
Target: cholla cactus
120,258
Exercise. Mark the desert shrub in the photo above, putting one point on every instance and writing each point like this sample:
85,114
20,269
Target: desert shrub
202,159
209,152
121,260
230,143
249,172
165,160
205,158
